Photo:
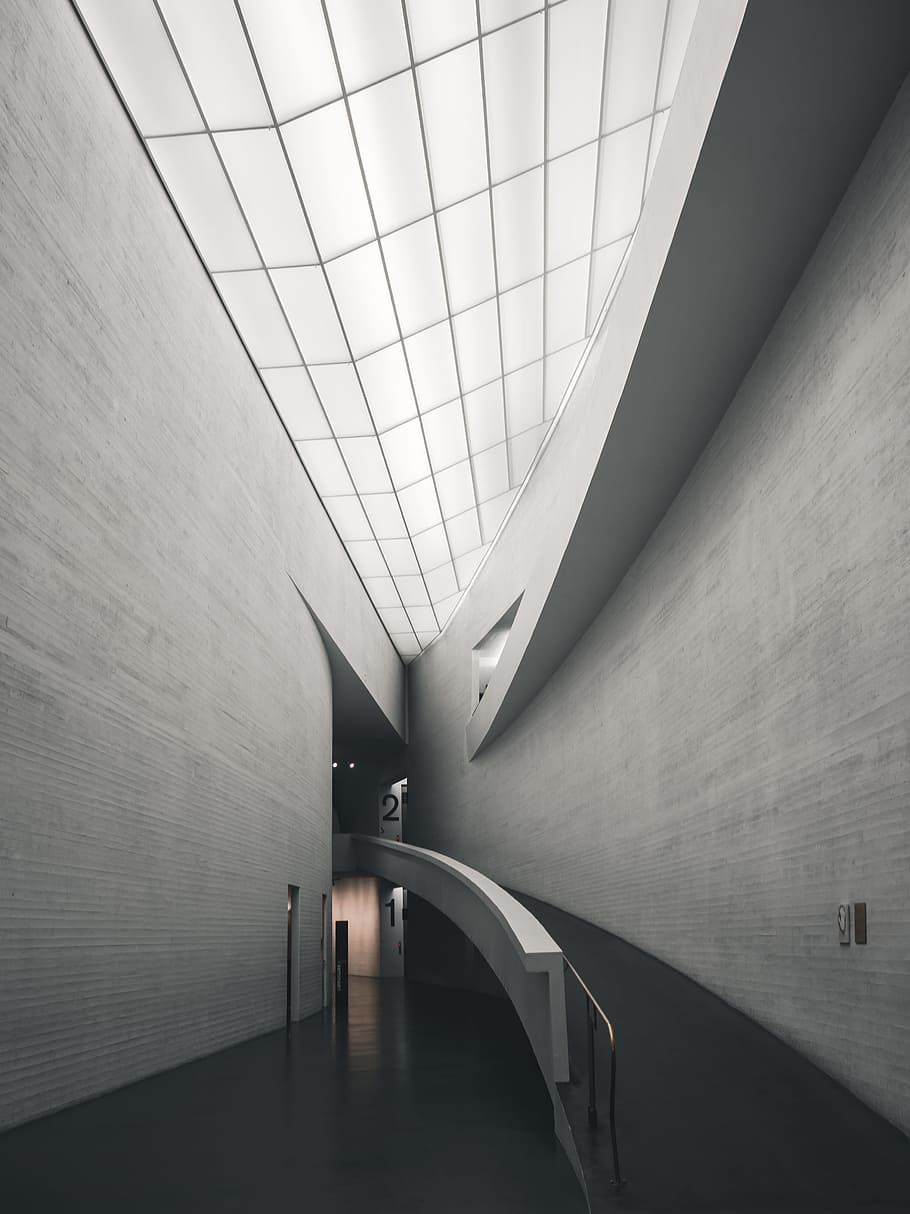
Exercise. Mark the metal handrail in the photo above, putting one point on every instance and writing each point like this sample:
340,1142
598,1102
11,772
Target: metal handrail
592,1007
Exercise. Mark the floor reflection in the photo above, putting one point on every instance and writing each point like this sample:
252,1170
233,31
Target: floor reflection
416,1099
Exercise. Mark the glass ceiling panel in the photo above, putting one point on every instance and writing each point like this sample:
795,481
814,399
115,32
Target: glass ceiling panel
415,274
265,190
494,13
382,591
336,179
399,556
445,608
477,344
423,619
491,473
432,548
385,517
513,61
441,583
406,454
216,57
466,566
413,591
306,300
437,27
576,54
342,399
139,56
324,160
456,489
524,398
395,619
385,380
370,39
455,134
444,431
420,506
361,292
291,43
249,298
567,304
387,127
295,399
485,417
621,180
518,207
364,458
431,357
522,325
348,516
197,184
326,467
467,245
570,205
633,60
464,533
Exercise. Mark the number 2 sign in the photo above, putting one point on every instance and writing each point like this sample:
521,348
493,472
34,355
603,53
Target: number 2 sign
390,811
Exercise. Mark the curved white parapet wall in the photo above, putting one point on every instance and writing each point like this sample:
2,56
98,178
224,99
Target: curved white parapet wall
519,950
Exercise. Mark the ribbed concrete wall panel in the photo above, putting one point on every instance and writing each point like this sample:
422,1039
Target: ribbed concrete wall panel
725,755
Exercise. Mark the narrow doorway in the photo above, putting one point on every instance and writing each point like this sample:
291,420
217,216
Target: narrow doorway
325,984
293,965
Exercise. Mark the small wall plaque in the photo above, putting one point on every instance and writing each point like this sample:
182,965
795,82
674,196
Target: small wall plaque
859,922
843,922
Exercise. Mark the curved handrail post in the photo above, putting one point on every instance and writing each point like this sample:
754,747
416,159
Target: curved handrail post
592,1011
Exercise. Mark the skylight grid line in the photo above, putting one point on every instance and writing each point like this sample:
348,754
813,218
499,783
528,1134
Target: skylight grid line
486,135
385,269
546,224
608,28
287,159
442,260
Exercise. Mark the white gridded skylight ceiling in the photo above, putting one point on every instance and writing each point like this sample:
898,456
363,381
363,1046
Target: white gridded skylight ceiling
414,212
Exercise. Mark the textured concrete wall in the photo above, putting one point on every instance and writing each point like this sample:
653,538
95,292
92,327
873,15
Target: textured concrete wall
726,753
165,700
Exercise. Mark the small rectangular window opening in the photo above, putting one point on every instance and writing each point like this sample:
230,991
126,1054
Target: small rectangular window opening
485,656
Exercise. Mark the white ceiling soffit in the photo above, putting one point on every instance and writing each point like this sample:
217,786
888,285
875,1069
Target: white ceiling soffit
414,212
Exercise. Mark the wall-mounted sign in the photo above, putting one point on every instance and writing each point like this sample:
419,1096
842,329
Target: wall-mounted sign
391,930
393,803
843,923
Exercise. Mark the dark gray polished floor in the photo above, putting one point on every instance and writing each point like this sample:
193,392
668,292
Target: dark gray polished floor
422,1100
713,1112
